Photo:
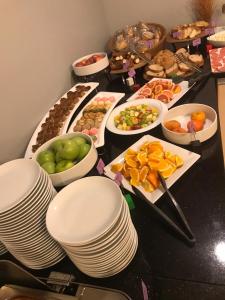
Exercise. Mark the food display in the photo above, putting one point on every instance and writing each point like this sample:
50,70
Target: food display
189,31
57,116
145,35
195,123
125,61
163,90
92,119
93,115
136,117
141,167
217,60
90,64
63,154
186,123
217,39
169,64
90,60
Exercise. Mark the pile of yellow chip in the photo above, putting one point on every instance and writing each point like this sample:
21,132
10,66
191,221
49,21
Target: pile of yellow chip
141,167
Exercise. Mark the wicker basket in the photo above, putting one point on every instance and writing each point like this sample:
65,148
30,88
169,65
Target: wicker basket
151,51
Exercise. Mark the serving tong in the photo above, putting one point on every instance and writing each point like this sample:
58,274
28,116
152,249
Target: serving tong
188,235
180,58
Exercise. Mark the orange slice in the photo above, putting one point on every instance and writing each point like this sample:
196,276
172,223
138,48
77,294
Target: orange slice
144,147
154,146
178,161
163,165
143,173
131,151
167,173
142,158
116,168
148,187
176,89
153,178
132,163
126,170
135,177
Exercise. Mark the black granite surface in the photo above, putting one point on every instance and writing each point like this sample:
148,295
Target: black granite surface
170,268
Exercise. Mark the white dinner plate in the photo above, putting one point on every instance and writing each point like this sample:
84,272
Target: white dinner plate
84,210
161,107
17,180
188,157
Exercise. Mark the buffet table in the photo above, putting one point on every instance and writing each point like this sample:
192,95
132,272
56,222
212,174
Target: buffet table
169,268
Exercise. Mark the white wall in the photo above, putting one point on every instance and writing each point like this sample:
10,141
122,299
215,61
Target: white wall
166,12
39,39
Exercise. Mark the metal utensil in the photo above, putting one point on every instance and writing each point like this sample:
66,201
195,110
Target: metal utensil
133,49
180,58
195,142
189,238
176,205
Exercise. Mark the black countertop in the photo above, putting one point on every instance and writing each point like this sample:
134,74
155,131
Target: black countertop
169,267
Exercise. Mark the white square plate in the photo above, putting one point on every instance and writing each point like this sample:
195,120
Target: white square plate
188,157
100,141
93,85
182,84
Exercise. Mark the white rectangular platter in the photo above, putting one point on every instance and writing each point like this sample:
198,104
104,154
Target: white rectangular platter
188,157
100,141
93,85
177,97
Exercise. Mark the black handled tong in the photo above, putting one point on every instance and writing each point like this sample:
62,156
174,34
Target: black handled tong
189,236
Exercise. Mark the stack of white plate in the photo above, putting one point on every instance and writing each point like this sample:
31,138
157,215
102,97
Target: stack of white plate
26,191
92,222
2,249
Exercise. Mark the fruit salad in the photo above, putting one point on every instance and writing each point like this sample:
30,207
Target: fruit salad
136,117
140,167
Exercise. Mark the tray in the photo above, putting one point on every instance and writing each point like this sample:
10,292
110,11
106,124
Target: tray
217,60
177,97
100,141
135,66
188,157
29,153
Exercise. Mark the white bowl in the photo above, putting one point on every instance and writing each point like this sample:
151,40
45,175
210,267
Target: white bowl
182,114
92,68
80,169
161,107
217,39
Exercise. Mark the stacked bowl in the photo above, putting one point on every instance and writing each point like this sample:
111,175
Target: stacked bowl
91,221
26,191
